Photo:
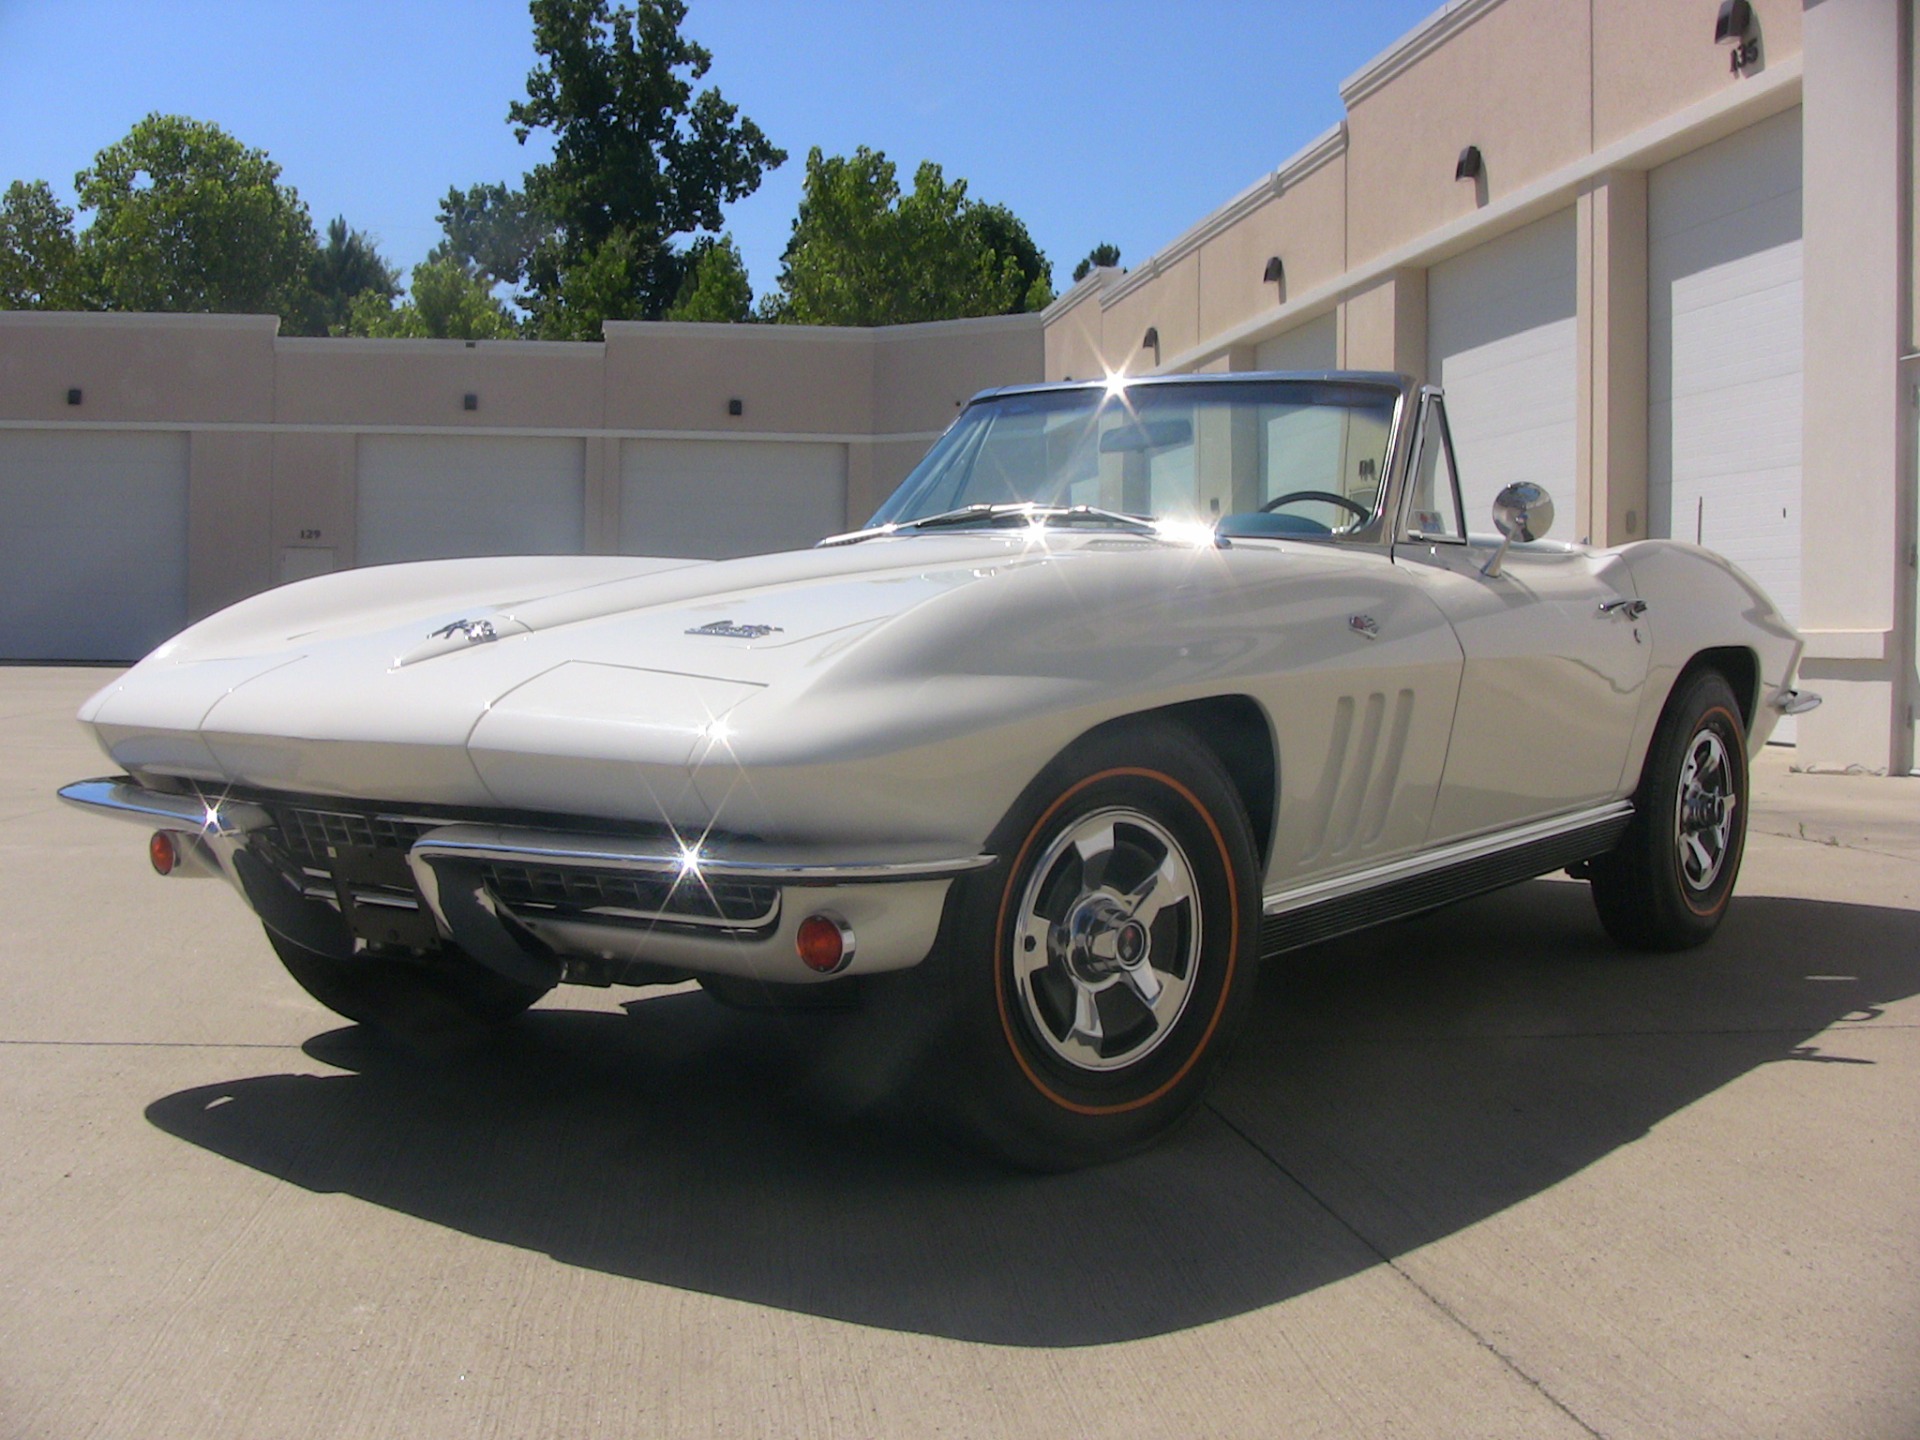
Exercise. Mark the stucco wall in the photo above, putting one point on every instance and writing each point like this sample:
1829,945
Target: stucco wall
274,426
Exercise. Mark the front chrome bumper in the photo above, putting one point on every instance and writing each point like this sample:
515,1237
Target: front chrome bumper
526,900
1793,702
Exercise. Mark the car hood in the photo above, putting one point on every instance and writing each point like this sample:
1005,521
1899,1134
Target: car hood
395,677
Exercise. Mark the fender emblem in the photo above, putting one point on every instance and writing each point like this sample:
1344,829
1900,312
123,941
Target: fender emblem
478,632
733,631
1364,625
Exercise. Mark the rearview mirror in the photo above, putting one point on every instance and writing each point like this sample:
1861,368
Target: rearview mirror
1522,511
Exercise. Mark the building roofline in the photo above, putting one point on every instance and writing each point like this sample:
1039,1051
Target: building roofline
1413,47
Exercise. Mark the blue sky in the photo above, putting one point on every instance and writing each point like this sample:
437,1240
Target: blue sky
1124,121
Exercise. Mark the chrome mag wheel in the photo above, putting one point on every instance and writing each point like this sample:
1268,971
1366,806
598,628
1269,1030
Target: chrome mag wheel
1703,811
1107,940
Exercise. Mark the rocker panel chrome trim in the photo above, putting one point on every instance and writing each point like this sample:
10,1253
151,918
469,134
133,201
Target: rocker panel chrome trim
1462,852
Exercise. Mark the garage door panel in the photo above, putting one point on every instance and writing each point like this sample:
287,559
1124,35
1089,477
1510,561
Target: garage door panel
1312,346
93,555
441,497
715,499
1731,183
1748,338
1736,431
1724,327
1501,339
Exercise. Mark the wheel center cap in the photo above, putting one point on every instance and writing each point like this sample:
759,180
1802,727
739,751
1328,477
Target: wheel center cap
1100,940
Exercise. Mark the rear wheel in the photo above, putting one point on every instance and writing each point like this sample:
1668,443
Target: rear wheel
1667,885
1097,975
442,997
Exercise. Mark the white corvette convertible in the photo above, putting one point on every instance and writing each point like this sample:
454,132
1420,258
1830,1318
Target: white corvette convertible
1129,687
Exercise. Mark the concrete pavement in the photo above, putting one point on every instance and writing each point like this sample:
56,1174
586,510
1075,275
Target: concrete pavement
1478,1174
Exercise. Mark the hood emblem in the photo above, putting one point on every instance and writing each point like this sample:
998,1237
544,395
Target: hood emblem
1364,625
733,631
478,632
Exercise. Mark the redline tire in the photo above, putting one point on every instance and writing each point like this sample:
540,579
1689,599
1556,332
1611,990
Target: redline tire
1096,977
1668,883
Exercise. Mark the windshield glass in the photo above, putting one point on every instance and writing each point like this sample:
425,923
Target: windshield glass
1281,457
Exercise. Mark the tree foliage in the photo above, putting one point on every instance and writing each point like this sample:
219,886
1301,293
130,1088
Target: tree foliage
348,266
640,160
447,300
492,229
1101,256
715,288
37,250
863,252
185,217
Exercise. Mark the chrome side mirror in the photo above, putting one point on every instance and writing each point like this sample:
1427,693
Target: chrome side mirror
1522,511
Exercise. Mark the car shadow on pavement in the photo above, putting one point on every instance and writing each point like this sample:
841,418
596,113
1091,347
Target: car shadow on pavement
1392,1089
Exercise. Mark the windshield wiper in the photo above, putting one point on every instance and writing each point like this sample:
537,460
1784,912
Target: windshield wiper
1024,512
1030,513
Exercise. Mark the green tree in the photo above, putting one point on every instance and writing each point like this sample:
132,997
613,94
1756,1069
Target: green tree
37,250
863,252
185,217
639,160
716,287
1003,233
348,266
493,229
448,300
1100,256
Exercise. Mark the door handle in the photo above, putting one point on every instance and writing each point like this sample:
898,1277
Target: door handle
1631,609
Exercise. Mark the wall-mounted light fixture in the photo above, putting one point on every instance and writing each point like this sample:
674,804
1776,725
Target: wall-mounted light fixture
1735,26
1469,166
470,401
73,396
736,407
1151,341
1734,23
1275,273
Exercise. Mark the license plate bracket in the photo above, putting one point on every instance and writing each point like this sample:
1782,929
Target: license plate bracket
379,899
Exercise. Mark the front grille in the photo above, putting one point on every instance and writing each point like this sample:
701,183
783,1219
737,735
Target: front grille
627,895
311,836
357,859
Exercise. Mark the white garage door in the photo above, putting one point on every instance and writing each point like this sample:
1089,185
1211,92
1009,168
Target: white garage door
435,497
93,546
1724,352
1312,346
713,499
1500,339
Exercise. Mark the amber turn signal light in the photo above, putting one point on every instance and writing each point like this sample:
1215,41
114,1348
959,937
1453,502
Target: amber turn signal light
164,851
825,943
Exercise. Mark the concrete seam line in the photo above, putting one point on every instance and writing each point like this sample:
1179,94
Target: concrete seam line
1432,1299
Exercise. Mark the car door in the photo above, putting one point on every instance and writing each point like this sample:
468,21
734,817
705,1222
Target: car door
1555,645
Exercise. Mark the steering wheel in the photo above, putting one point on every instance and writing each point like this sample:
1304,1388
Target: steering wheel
1361,513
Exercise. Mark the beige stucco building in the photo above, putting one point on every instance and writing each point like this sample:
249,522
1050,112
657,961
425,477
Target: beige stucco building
1665,271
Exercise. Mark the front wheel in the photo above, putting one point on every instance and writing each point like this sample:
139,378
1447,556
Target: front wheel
436,999
1667,885
1097,975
